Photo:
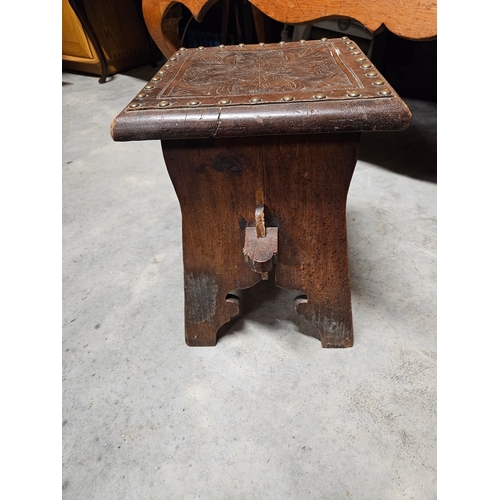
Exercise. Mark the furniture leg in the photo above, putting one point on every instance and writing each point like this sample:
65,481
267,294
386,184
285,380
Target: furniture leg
218,184
307,178
79,8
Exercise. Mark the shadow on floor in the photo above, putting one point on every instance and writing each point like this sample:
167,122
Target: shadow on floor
411,152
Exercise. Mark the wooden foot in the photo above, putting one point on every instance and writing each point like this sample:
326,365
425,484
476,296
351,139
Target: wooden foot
207,308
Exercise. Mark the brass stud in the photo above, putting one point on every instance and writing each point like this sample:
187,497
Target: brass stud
385,92
366,66
255,100
282,42
378,83
161,72
225,101
351,47
173,59
194,103
261,44
287,98
168,65
201,47
302,41
371,74
149,87
178,54
345,38
182,49
353,93
319,96
356,53
241,45
134,105
163,104
360,59
141,96
349,43
221,46
155,79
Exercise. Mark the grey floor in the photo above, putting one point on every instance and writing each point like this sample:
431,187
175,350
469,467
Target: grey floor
267,413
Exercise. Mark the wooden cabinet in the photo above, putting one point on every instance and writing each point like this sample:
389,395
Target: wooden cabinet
77,49
103,37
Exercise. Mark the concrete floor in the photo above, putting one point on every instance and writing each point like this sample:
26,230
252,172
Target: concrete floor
267,413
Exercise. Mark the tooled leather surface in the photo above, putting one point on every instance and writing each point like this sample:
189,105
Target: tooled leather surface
273,88
246,73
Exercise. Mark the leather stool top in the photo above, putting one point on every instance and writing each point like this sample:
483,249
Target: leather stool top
306,87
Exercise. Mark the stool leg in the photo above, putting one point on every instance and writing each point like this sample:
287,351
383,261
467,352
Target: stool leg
218,184
306,183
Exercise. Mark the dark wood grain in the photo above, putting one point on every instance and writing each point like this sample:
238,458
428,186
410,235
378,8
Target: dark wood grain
219,184
306,183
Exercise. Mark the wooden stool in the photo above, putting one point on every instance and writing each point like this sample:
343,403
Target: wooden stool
261,142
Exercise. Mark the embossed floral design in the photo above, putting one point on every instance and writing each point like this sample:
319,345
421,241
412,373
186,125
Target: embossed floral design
252,72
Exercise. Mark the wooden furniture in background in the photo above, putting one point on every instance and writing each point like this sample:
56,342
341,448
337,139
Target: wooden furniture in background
104,37
77,49
412,19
